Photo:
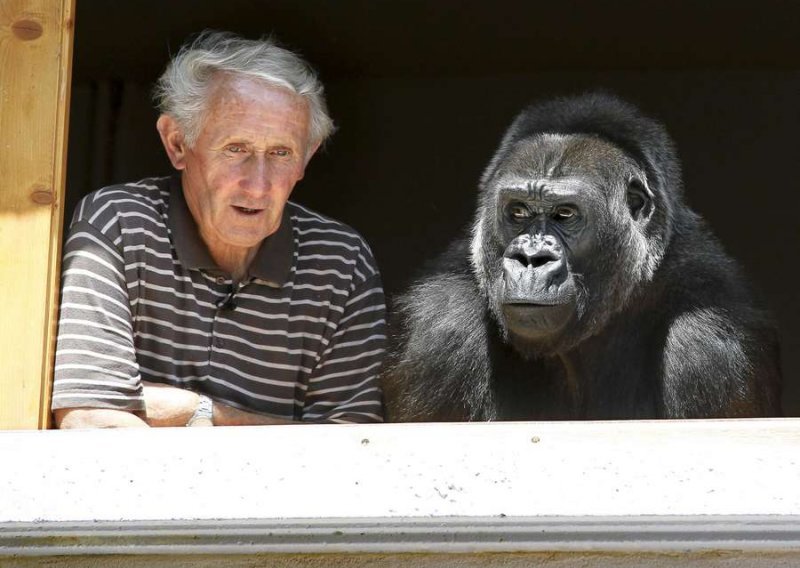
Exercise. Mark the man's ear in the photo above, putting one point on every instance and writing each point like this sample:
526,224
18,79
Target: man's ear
172,139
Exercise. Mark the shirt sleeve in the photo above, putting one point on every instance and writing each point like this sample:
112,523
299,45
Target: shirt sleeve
344,385
95,359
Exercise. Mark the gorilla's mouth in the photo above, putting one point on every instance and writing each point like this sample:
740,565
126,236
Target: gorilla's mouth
537,320
536,304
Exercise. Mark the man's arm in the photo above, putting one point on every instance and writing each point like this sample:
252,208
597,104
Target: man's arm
165,406
96,373
173,406
343,387
67,418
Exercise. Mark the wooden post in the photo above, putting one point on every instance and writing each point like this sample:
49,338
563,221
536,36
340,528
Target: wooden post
35,65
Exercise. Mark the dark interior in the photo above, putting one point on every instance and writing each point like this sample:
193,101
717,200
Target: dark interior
421,92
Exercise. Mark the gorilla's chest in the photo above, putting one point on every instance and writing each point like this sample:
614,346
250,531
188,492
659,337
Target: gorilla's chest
605,380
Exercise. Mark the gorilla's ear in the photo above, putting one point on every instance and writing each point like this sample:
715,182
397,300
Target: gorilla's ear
640,199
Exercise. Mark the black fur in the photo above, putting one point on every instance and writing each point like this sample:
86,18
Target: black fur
645,315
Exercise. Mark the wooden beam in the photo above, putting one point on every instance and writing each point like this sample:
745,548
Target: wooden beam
36,39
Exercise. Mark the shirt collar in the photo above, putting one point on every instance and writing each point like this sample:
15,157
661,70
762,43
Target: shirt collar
271,264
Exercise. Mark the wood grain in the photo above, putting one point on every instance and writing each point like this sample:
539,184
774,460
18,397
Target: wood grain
36,39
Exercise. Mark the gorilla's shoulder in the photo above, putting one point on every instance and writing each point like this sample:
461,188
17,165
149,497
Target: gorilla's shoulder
446,298
439,337
697,270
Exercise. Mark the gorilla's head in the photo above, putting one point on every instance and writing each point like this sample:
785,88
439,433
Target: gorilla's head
575,215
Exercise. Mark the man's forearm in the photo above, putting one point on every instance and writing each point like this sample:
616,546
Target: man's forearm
165,406
67,418
225,415
172,406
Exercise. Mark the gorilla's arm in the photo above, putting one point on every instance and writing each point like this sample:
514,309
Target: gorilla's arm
442,371
716,366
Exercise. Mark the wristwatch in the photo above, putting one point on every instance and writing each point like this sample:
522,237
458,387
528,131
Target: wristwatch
205,409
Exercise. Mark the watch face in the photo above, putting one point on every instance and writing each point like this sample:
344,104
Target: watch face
206,406
204,410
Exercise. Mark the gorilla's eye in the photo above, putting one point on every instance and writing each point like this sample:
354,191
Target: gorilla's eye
635,201
518,212
564,212
637,198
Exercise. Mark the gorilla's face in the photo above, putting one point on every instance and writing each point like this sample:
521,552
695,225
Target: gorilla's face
560,238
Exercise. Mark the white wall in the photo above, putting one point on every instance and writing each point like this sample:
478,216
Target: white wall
612,489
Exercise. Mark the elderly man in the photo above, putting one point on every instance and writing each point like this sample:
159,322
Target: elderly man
208,298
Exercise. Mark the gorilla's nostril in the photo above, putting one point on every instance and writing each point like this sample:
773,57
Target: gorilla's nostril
519,257
540,259
533,260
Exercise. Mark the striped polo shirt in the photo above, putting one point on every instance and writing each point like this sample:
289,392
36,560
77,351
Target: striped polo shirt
302,337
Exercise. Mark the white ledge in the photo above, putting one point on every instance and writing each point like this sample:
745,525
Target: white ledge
386,536
447,488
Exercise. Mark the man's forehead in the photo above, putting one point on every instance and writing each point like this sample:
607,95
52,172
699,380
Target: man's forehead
251,109
228,87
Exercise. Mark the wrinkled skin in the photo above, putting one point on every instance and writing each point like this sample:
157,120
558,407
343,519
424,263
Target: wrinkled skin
587,289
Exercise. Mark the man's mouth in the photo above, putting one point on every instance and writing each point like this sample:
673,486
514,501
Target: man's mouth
247,210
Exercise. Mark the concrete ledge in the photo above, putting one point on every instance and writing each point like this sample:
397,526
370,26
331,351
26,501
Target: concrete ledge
605,488
386,536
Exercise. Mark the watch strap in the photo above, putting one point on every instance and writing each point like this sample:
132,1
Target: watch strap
205,409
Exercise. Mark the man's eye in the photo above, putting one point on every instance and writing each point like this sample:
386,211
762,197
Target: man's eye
281,152
234,148
518,212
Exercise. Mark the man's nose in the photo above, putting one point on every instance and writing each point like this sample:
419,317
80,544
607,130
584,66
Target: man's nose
258,177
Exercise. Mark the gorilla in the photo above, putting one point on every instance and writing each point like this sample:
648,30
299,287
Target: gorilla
587,289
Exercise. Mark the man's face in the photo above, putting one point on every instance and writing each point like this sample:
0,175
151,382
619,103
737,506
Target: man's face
252,148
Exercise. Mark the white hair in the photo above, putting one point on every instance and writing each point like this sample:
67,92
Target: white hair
183,89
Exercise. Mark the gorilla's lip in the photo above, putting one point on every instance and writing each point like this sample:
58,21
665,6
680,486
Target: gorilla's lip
536,320
535,304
